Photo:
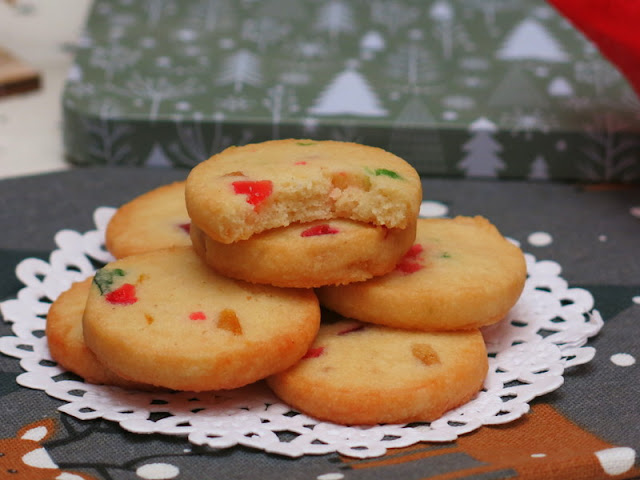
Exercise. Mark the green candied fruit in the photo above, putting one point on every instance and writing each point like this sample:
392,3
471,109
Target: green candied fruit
104,278
385,172
305,144
445,255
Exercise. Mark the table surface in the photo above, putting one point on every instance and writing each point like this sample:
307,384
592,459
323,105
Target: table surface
586,428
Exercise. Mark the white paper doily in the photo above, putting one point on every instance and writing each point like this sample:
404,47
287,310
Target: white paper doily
544,333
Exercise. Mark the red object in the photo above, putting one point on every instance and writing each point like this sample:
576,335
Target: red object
355,328
256,191
124,295
323,229
410,263
197,316
186,227
613,26
314,352
408,266
415,250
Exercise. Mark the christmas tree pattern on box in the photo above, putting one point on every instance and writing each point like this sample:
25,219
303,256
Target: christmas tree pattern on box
480,88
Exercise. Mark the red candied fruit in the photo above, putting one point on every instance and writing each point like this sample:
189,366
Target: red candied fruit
197,316
186,227
256,191
415,250
314,352
354,328
323,229
410,263
124,295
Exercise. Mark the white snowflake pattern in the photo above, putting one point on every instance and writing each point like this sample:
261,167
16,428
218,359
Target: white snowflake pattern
528,122
459,102
235,103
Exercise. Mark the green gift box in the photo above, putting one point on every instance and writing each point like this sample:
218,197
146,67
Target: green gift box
477,88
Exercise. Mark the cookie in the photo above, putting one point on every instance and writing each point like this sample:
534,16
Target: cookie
305,255
156,219
246,190
460,273
66,340
167,319
357,373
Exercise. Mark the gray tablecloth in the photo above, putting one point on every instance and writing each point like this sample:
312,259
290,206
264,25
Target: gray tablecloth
592,233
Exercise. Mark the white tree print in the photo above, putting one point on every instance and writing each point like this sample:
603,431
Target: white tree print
348,94
598,73
415,137
413,64
490,10
280,99
197,142
530,40
335,17
156,9
539,169
215,15
524,108
240,68
395,16
264,31
347,131
560,87
111,140
296,75
113,58
612,152
442,13
157,158
517,90
156,90
371,43
481,159
234,103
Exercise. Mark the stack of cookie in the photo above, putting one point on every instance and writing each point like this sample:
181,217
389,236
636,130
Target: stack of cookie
220,281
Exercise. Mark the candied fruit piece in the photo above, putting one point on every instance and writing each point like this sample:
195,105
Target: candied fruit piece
316,230
411,262
256,191
228,320
387,173
124,295
105,277
425,353
314,352
354,328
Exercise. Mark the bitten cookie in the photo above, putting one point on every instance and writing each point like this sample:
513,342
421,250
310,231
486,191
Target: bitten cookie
249,189
460,273
156,219
305,255
167,319
66,341
358,373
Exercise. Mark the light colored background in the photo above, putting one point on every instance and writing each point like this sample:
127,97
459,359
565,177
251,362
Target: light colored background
42,33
